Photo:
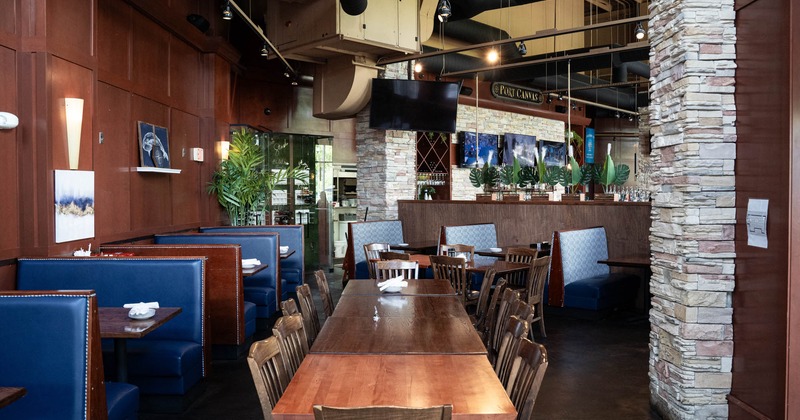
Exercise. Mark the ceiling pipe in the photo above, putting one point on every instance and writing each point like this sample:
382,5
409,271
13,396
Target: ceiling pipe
257,29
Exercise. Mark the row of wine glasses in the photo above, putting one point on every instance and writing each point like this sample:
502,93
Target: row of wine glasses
425,178
632,194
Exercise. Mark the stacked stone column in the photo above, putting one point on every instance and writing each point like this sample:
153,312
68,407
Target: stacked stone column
692,116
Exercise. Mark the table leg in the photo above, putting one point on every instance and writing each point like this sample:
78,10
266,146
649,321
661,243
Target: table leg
121,356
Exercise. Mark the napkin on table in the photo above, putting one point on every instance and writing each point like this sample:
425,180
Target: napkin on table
251,261
140,308
392,282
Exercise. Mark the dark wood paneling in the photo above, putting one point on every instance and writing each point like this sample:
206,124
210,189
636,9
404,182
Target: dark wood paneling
187,193
8,277
253,96
793,365
113,160
70,81
150,59
627,224
9,187
8,20
762,171
151,195
185,76
113,42
69,29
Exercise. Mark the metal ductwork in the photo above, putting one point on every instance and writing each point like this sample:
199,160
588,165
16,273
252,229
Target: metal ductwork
474,32
471,8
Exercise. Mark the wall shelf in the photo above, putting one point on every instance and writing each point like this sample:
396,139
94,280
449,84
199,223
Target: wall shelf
157,170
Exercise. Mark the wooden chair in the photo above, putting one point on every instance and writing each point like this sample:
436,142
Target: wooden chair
519,279
479,317
268,370
458,249
324,293
292,339
441,412
503,313
391,255
309,313
289,307
526,376
535,290
373,254
491,312
454,270
516,330
388,269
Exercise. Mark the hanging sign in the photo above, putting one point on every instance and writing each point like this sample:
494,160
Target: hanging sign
524,94
589,146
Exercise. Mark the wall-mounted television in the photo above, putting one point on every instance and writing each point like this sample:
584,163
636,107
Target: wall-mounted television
477,151
414,105
520,146
556,153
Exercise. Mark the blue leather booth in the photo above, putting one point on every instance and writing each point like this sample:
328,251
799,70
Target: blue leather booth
168,361
293,270
479,235
577,280
362,233
51,346
262,288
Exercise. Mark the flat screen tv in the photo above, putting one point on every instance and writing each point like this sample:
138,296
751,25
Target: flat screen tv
520,146
477,151
414,105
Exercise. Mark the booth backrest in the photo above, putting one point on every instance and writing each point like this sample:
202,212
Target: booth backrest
51,346
170,281
362,233
263,246
293,236
580,251
223,281
480,235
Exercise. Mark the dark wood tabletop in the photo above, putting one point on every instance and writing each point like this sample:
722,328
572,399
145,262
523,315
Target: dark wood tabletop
501,267
115,322
465,381
9,394
356,287
400,306
287,254
249,271
423,247
635,261
398,335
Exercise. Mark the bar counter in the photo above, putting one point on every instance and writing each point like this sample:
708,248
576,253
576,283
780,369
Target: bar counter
523,222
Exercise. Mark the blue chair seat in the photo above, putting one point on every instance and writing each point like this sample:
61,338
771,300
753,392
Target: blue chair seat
250,315
158,366
122,401
601,292
263,297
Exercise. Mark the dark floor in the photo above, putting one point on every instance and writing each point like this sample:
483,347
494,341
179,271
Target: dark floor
598,370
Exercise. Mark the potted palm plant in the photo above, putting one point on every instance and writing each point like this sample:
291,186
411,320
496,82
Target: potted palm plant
611,174
243,185
509,176
485,177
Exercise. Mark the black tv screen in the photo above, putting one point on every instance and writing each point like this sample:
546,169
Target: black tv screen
414,105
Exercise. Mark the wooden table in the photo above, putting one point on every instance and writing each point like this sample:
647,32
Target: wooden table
417,306
356,287
422,247
287,254
501,268
465,381
249,271
10,394
641,262
115,323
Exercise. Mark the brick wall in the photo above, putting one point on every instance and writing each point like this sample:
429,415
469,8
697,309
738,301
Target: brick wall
692,116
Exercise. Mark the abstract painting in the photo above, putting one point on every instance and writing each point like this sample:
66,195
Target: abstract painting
520,146
480,151
153,145
74,200
556,153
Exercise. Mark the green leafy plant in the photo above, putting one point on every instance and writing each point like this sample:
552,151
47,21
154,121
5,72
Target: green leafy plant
485,177
509,174
613,174
528,176
242,184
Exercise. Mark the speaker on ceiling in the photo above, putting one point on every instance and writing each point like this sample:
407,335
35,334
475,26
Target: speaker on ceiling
353,7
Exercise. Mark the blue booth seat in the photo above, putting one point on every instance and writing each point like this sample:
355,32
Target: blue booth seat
479,235
262,288
293,270
362,233
170,360
51,346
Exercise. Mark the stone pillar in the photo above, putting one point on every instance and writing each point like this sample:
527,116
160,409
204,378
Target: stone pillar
692,116
387,163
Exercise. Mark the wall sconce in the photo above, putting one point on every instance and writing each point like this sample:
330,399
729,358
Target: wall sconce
74,116
8,121
224,147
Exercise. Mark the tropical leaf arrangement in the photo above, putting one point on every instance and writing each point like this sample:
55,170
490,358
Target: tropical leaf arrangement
484,177
613,174
509,174
242,184
528,176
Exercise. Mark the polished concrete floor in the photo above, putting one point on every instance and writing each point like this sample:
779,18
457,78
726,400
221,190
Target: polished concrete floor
598,370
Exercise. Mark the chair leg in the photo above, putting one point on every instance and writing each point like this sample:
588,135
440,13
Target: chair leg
541,319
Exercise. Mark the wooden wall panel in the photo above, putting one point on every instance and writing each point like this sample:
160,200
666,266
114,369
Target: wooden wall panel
113,161
8,277
69,29
185,76
187,188
9,187
253,96
627,224
113,42
762,171
151,198
70,81
150,59
8,19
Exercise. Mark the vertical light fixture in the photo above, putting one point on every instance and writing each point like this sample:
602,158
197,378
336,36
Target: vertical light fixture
227,14
224,148
74,119
639,32
444,11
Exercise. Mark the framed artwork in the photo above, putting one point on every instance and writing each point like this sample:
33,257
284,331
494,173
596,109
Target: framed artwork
153,146
520,146
74,203
556,153
480,150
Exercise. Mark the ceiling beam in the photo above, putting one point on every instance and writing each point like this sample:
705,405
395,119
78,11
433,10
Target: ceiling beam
603,4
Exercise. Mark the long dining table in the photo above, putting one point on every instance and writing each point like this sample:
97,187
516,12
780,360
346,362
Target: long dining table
415,348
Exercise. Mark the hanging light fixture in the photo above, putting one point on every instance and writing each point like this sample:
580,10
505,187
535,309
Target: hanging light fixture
492,56
227,14
522,48
417,67
264,50
639,32
444,12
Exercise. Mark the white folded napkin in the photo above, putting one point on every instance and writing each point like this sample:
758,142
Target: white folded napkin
251,261
141,308
284,249
392,282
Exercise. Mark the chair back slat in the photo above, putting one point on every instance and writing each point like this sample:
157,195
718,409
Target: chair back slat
324,292
454,270
522,256
268,369
391,255
458,250
491,311
516,330
309,313
535,290
526,376
503,313
483,299
389,269
292,339
373,254
289,307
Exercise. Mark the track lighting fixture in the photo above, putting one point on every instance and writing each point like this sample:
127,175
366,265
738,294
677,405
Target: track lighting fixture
522,48
444,12
639,32
286,73
549,99
417,67
630,117
227,14
492,56
294,81
574,106
560,96
264,50
616,114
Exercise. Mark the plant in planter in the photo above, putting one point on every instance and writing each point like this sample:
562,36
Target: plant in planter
509,177
242,184
485,177
613,174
